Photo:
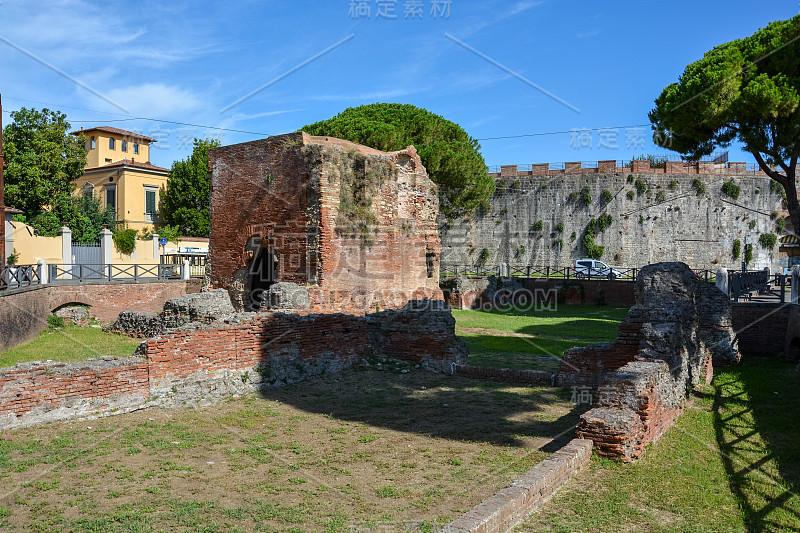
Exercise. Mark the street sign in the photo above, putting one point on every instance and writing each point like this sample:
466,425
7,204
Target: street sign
162,241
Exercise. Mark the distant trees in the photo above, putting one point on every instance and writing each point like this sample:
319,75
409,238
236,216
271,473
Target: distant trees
450,155
43,160
185,201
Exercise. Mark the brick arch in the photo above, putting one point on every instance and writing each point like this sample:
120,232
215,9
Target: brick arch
68,301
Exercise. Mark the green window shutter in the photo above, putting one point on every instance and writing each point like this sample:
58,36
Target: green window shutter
150,201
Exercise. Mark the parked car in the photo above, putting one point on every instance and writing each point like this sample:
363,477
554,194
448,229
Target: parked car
592,268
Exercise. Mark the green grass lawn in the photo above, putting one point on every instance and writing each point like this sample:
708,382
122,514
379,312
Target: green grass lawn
68,344
541,336
731,463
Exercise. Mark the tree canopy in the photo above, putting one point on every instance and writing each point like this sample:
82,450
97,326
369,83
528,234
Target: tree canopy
747,90
83,214
185,202
43,159
451,156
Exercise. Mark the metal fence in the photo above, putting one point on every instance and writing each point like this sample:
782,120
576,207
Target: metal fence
16,276
81,273
548,272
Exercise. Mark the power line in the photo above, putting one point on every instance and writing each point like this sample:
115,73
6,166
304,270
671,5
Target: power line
178,123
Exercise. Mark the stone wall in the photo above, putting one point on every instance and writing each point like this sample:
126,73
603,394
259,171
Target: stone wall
23,313
642,379
667,222
236,354
356,226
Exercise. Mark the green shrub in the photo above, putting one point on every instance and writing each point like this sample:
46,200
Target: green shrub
768,240
630,194
573,197
560,227
125,241
484,256
573,236
673,184
55,321
661,196
775,187
731,190
737,248
630,178
780,225
586,196
641,187
699,186
538,225
558,243
752,224
13,258
521,250
748,253
641,219
606,195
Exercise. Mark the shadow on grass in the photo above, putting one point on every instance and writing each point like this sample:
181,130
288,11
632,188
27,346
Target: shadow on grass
517,352
757,425
441,406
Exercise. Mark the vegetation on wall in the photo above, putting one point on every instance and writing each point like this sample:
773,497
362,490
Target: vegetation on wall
699,186
586,196
630,194
125,240
595,251
538,225
656,161
451,156
360,179
748,254
641,187
661,196
606,196
731,189
737,248
768,240
780,225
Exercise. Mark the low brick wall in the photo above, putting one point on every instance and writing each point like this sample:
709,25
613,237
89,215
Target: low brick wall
242,353
526,494
23,313
505,375
761,328
633,409
595,291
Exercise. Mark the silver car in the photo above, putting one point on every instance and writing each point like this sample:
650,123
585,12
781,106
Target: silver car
592,268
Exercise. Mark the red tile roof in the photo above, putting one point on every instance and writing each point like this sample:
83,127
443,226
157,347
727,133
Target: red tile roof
131,163
125,133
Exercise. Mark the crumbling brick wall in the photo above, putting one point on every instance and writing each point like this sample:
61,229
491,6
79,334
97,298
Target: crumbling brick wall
643,378
239,353
355,225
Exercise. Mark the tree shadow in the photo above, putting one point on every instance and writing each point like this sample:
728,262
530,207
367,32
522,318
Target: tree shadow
757,426
440,406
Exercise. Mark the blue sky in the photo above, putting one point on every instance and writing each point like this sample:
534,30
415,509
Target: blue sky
190,61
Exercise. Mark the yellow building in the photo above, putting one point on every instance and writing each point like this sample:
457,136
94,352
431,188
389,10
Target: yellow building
119,172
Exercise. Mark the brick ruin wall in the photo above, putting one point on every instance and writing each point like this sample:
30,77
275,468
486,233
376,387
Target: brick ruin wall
641,380
23,314
354,225
697,230
238,354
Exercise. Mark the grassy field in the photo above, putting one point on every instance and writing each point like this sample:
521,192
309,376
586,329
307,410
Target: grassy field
534,339
360,448
730,464
70,343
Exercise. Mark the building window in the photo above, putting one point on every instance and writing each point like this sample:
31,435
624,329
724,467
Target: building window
94,143
150,204
111,198
135,148
124,145
111,143
87,189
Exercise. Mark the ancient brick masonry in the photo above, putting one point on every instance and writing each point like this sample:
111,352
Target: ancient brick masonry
236,354
642,379
354,225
